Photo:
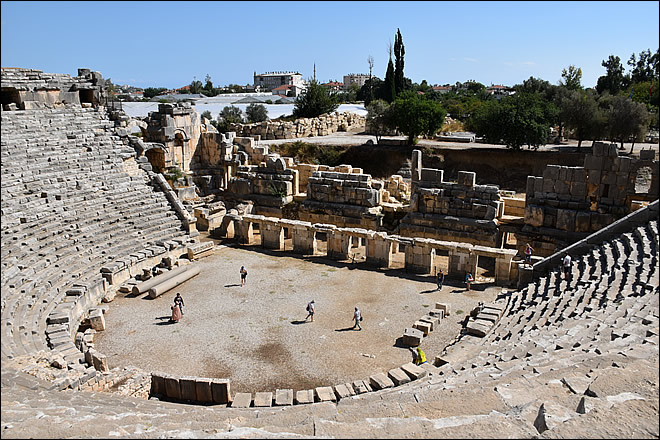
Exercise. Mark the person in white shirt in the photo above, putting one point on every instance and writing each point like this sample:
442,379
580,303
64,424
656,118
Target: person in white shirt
310,310
566,266
358,317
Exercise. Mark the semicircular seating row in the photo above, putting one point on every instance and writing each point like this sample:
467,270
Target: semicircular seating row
68,208
608,305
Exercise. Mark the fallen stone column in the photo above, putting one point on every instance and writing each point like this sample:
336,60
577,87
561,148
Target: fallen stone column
173,282
146,285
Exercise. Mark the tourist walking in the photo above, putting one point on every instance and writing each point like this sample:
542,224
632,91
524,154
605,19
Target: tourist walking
178,300
243,275
357,316
468,279
566,266
528,254
440,279
176,313
310,310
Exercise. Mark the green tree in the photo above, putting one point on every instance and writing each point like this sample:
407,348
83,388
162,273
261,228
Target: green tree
314,101
207,114
377,114
626,119
256,112
521,119
399,52
413,115
228,115
580,110
196,86
370,90
389,88
614,80
209,90
642,69
150,92
571,78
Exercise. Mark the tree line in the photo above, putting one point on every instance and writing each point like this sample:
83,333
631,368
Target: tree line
621,108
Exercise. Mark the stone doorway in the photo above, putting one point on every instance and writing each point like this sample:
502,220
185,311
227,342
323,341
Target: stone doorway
156,158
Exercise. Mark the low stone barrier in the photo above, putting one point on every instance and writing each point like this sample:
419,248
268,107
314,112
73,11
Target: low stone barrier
200,250
192,389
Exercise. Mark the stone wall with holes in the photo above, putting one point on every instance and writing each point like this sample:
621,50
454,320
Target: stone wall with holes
27,89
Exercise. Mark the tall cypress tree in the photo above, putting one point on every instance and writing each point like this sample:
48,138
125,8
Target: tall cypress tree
389,87
399,52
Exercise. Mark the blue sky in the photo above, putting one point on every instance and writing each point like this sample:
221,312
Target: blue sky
167,44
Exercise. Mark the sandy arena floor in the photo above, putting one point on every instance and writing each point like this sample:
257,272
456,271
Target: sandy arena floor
256,335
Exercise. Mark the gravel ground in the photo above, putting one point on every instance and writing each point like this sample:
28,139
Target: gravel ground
256,335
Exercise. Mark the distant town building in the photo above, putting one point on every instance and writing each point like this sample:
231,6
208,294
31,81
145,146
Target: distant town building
441,89
288,90
500,91
335,86
272,80
355,78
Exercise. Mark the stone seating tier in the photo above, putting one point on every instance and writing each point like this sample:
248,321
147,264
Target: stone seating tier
69,208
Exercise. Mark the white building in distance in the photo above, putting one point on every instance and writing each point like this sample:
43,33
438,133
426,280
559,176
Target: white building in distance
354,78
272,80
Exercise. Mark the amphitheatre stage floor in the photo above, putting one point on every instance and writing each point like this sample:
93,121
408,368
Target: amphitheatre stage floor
256,335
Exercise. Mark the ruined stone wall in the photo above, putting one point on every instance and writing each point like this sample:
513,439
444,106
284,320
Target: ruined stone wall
27,89
345,199
585,199
453,211
303,127
568,203
178,127
269,185
305,171
344,188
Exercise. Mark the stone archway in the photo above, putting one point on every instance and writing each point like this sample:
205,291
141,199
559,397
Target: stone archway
179,153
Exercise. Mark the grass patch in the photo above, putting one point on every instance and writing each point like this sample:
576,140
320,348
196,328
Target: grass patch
425,305
459,311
